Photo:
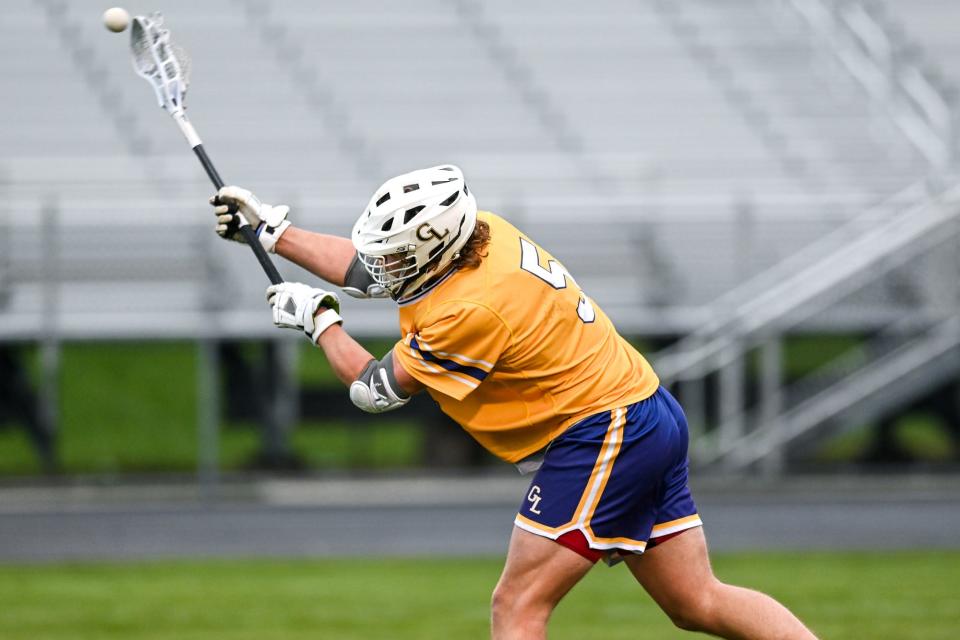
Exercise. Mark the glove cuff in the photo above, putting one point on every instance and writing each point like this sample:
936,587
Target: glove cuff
270,235
323,322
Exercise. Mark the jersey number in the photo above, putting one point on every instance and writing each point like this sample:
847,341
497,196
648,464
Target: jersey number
556,276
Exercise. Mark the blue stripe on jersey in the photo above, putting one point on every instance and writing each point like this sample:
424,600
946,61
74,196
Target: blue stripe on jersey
449,365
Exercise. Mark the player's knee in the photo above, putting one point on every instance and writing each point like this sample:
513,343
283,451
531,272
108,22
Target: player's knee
511,603
695,612
505,602
501,602
688,621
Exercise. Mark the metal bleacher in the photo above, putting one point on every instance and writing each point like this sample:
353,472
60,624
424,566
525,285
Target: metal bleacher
674,121
923,28
699,96
912,346
688,160
889,276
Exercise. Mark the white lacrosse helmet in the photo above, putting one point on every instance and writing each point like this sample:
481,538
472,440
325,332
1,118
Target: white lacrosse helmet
414,226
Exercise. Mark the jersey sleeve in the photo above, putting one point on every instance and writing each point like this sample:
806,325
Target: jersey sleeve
456,348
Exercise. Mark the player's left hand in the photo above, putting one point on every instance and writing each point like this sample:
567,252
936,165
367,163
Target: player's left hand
296,305
268,221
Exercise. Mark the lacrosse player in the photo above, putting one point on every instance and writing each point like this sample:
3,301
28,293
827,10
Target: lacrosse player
502,338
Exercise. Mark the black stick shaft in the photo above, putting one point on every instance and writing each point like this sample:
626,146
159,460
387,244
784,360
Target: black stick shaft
248,233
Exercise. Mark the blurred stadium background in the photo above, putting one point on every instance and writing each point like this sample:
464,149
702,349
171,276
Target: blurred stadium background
761,193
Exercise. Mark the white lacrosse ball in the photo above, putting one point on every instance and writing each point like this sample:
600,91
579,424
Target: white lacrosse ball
116,19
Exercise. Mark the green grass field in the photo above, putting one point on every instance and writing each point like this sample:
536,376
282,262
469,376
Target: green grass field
877,596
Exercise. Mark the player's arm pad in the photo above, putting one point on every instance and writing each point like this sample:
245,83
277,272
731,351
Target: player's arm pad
377,389
359,284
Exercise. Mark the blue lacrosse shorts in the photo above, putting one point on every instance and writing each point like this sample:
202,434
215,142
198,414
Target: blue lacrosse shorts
619,478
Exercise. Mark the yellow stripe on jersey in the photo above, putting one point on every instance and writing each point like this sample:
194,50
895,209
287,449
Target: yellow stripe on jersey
514,351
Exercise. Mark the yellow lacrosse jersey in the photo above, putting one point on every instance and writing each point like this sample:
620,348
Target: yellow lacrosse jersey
514,351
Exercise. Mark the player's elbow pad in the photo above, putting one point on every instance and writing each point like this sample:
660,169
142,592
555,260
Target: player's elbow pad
377,390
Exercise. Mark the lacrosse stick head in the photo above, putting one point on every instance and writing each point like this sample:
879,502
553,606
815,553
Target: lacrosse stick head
163,64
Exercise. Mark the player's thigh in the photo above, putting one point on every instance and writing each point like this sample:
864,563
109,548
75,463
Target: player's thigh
676,572
538,570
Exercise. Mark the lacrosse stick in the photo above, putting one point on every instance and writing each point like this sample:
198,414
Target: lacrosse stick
167,68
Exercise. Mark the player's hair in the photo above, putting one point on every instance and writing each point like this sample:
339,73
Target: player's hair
476,248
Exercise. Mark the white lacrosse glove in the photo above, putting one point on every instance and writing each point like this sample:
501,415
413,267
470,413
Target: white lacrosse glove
269,222
295,306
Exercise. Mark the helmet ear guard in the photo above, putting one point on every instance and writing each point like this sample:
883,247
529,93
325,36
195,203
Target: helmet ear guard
421,220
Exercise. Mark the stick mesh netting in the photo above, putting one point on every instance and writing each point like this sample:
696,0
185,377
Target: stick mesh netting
165,65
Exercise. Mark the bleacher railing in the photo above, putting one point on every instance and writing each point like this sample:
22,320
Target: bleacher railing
795,294
887,73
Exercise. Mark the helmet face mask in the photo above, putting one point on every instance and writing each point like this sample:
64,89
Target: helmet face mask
414,227
390,271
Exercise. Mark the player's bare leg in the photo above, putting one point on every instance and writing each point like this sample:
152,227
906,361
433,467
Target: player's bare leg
537,574
677,575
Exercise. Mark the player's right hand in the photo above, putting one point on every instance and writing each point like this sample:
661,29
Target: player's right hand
268,222
298,306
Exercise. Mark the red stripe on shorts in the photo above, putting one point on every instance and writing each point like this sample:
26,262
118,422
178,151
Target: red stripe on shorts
577,542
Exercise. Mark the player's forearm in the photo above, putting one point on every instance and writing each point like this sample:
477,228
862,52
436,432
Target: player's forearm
325,256
347,357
